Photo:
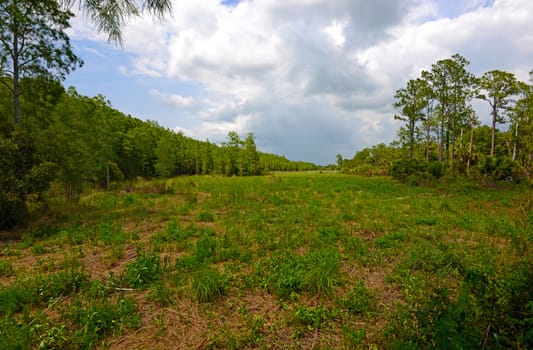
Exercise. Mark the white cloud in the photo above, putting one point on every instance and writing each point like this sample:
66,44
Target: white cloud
336,31
312,78
217,131
172,99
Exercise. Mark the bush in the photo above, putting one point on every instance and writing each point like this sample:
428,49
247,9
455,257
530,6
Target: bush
417,171
500,168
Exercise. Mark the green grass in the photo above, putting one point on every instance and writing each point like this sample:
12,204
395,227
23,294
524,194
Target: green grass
286,261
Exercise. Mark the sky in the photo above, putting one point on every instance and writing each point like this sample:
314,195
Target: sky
310,78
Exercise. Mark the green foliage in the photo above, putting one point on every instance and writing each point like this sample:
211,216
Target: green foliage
416,171
313,317
94,323
500,168
358,300
492,309
33,43
353,337
41,289
145,270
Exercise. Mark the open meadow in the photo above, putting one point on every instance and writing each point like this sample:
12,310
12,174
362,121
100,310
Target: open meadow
284,261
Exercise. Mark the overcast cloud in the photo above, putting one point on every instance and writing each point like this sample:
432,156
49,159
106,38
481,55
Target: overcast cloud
310,78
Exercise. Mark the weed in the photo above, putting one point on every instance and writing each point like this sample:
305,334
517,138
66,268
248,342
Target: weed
313,317
353,337
358,300
143,271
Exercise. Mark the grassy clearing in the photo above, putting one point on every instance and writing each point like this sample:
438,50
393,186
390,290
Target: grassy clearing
285,261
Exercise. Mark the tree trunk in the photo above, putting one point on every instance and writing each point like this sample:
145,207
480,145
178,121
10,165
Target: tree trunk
441,140
493,134
427,142
471,146
107,175
453,155
411,138
515,141
16,77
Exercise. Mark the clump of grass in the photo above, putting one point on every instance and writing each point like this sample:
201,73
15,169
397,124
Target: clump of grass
205,216
322,273
209,284
6,268
316,272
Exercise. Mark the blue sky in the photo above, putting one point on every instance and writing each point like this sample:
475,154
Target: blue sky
310,78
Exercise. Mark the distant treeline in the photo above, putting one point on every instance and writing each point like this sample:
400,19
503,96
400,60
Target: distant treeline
442,134
78,141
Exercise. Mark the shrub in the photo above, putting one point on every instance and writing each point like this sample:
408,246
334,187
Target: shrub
500,168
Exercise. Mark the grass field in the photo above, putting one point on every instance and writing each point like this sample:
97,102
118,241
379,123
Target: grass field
286,261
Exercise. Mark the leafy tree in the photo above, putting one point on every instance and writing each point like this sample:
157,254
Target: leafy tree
251,165
33,43
411,101
340,161
451,87
70,143
232,146
110,16
521,129
498,86
207,158
166,153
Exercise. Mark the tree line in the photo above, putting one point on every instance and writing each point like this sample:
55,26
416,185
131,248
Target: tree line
441,131
77,141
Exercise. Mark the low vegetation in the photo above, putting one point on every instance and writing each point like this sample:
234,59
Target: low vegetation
294,260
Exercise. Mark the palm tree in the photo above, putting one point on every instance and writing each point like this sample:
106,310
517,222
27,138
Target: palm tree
110,15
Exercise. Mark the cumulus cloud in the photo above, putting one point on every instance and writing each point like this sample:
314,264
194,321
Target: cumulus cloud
313,78
172,99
